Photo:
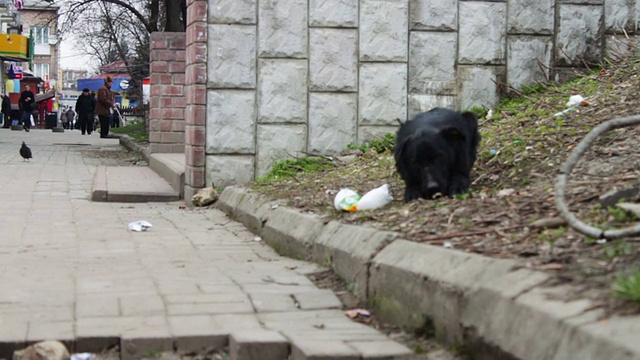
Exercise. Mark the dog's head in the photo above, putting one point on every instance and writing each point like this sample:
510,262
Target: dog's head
427,157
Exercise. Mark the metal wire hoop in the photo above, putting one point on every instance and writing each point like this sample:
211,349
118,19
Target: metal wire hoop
565,171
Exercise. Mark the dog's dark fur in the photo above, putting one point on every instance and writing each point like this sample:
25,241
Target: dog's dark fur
435,152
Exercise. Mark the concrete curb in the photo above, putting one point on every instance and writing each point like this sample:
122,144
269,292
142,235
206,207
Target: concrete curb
496,308
128,143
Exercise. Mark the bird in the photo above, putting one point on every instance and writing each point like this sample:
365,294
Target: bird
25,152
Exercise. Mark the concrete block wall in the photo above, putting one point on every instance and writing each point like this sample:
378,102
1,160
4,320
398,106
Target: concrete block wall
167,101
289,77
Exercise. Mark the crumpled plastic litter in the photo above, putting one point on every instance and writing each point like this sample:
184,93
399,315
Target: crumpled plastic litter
140,225
354,313
574,102
349,200
82,356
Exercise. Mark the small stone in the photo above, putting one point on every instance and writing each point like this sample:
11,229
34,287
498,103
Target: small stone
205,197
45,350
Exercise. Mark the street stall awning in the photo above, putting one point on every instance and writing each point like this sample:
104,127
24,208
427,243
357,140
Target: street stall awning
14,47
45,96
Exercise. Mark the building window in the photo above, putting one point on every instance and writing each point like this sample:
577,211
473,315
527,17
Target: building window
42,34
41,70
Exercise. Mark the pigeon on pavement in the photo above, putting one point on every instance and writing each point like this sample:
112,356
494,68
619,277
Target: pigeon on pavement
25,152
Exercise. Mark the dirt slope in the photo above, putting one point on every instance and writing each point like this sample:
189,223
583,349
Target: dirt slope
510,210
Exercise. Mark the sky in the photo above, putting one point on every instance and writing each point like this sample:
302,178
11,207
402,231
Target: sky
72,59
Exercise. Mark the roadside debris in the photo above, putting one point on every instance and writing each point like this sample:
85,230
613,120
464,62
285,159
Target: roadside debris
82,356
356,313
574,102
44,350
205,197
349,200
140,225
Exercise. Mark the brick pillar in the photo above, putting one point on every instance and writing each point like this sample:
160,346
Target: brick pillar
196,94
167,100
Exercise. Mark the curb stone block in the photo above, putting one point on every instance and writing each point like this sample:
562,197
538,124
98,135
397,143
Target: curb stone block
229,200
292,233
138,348
250,209
258,345
614,338
253,211
528,326
497,308
409,281
348,249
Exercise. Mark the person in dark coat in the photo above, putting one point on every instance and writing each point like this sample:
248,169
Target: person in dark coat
85,106
104,106
27,102
6,110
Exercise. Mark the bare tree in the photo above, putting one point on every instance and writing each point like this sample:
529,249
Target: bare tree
119,30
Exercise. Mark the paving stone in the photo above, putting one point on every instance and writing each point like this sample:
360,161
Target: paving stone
384,349
272,302
322,350
320,299
209,308
258,345
44,330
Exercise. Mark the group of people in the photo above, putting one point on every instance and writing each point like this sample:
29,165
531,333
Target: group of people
103,105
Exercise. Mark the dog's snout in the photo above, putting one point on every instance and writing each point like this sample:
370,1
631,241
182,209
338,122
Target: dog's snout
433,186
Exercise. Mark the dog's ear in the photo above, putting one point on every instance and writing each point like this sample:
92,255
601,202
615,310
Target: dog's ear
401,147
470,118
473,122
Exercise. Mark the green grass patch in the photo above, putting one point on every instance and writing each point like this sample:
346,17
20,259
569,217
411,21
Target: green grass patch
135,130
291,168
386,143
628,287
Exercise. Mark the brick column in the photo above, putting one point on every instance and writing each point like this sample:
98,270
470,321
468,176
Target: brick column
167,100
196,96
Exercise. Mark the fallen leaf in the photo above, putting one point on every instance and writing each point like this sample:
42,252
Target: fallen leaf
553,266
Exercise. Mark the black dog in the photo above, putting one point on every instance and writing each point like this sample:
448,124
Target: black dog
435,152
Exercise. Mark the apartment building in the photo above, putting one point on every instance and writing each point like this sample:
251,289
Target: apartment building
39,20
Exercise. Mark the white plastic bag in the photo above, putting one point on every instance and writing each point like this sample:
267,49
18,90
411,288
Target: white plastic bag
375,198
346,199
349,200
33,123
575,100
140,225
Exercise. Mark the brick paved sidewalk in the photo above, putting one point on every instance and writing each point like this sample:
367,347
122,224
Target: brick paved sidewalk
71,270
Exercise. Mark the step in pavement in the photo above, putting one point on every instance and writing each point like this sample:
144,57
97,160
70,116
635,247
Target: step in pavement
131,184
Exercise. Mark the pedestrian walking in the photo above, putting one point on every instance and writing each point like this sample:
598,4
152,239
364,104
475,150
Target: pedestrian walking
27,100
104,107
85,106
70,115
6,110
